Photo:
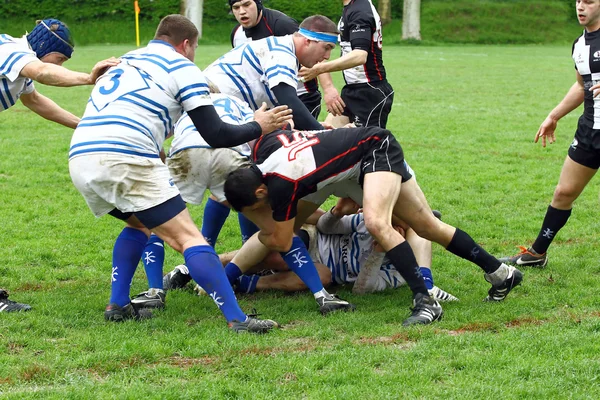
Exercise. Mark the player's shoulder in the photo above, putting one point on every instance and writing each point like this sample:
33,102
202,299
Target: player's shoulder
159,53
283,23
360,8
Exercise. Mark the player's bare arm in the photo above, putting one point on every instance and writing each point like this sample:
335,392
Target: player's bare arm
354,58
55,75
571,101
48,109
333,101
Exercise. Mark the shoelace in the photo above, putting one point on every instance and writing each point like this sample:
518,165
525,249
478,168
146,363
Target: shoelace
524,250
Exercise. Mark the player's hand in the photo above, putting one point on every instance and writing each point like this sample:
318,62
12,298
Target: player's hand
595,89
546,131
333,101
345,206
327,126
101,67
275,118
308,74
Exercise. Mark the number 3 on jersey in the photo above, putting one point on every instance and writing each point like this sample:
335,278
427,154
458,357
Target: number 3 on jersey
116,83
302,140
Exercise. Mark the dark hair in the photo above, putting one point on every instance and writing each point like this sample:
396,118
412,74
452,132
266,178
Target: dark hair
319,23
240,187
175,29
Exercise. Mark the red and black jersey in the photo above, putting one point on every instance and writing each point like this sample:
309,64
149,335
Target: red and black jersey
297,163
360,28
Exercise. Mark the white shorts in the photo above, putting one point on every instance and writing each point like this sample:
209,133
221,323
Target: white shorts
195,170
127,183
346,185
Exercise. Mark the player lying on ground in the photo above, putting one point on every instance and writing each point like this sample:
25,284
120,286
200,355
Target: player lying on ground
296,172
341,248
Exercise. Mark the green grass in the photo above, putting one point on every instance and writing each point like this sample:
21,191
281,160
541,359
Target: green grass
466,117
442,23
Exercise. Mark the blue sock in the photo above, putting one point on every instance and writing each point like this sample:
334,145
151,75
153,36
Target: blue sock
215,215
247,227
126,256
153,259
233,272
206,269
427,277
298,260
247,283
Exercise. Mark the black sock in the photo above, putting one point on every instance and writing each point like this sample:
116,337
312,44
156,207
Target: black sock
465,247
553,221
403,258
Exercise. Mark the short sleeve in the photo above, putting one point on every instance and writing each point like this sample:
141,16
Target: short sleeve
191,88
13,58
280,64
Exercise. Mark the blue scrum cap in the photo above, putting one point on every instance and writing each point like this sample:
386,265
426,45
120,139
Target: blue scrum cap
51,36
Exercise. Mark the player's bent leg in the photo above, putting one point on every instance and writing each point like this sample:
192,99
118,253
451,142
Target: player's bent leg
204,267
381,192
413,209
337,122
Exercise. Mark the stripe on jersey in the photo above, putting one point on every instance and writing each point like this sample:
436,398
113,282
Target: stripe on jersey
18,55
274,45
112,150
4,104
280,69
171,65
167,123
190,87
109,119
239,81
8,95
116,142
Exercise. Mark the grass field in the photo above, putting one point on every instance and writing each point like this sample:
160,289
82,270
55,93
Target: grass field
466,117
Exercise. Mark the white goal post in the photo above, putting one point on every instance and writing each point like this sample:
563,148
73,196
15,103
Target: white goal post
193,10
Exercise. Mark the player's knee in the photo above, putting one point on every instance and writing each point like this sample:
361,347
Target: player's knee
564,195
377,226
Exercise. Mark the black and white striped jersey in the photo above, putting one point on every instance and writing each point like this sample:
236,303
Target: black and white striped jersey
586,54
296,163
360,23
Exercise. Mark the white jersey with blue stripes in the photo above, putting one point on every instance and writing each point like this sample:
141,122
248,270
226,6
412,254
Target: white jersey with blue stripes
135,104
230,110
251,70
15,54
345,254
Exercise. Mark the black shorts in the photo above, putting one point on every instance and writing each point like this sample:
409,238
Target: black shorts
585,148
155,216
312,101
368,104
384,155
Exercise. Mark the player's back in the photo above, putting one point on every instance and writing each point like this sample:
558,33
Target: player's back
249,71
14,55
134,105
230,110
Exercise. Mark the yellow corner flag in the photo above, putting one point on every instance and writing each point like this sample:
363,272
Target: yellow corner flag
136,7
